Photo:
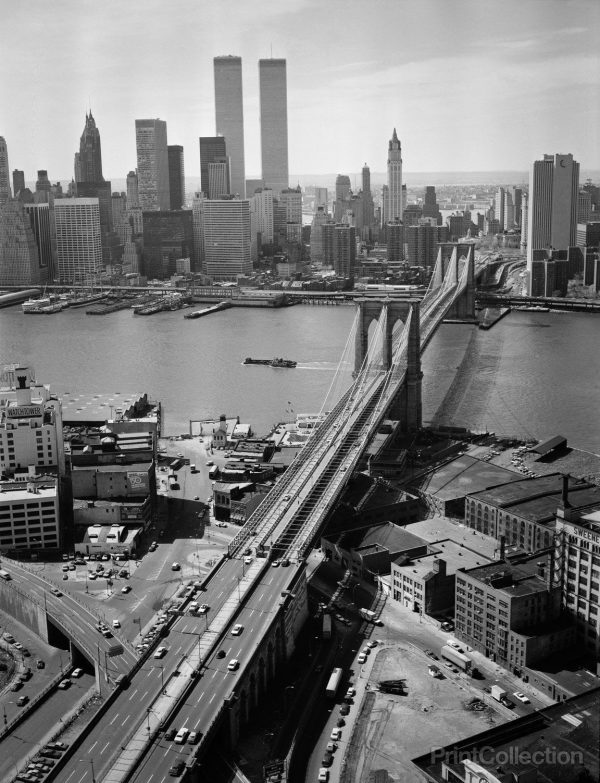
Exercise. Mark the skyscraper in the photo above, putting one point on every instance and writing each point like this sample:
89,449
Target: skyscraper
19,256
213,150
88,162
5,192
176,176
394,168
227,240
229,113
553,188
152,164
78,246
273,124
18,178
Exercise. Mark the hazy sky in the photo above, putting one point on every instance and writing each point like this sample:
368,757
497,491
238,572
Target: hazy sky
470,85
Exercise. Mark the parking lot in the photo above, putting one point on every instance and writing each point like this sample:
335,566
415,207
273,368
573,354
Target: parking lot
392,728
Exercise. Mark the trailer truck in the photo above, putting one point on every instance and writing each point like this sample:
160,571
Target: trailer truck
459,659
333,682
367,614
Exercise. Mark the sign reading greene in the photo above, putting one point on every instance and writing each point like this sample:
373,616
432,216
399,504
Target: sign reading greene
24,411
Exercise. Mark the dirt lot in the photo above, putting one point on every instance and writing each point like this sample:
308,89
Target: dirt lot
391,729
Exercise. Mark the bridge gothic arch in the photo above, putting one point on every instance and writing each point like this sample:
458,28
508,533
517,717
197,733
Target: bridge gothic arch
406,406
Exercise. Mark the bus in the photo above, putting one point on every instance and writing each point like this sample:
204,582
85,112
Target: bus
334,682
5,575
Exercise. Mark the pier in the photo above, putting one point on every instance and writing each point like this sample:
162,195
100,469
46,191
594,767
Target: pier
208,310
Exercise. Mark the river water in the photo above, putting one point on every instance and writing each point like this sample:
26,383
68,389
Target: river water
532,375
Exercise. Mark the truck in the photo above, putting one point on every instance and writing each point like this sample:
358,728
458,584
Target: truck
326,626
333,682
453,656
497,692
367,614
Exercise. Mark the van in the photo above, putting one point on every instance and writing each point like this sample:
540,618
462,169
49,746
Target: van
181,735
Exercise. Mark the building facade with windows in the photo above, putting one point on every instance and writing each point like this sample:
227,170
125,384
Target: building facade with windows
273,123
511,611
152,164
524,512
578,564
29,515
227,238
78,239
229,114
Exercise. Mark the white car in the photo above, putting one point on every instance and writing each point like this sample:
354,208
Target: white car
372,643
452,643
336,734
160,652
203,609
362,658
521,697
247,560
237,629
116,624
233,664
323,775
76,673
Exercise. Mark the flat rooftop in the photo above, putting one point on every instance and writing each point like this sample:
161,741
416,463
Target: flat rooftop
441,529
78,407
524,577
455,555
466,475
538,498
568,730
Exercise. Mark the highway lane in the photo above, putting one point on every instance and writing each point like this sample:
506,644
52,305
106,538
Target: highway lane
216,682
130,709
77,617
41,725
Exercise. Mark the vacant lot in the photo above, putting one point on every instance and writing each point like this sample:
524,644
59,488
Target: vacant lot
391,730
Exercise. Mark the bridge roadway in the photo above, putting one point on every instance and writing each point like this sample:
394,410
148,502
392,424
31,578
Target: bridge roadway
309,487
318,474
76,620
190,668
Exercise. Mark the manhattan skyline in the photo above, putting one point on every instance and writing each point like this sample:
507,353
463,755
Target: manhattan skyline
466,88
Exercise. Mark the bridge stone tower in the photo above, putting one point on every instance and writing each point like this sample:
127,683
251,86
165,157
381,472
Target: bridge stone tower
406,405
449,269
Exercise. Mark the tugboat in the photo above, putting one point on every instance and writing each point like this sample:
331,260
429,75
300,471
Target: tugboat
276,362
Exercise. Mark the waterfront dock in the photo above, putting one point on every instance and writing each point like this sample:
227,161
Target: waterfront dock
208,310
491,315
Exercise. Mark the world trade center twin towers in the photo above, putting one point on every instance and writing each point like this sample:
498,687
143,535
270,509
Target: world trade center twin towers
273,120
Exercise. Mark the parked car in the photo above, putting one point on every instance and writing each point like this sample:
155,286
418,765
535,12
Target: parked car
362,658
22,701
64,684
336,734
76,673
40,664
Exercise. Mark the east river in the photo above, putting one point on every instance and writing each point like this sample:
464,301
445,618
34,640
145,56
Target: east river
532,375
